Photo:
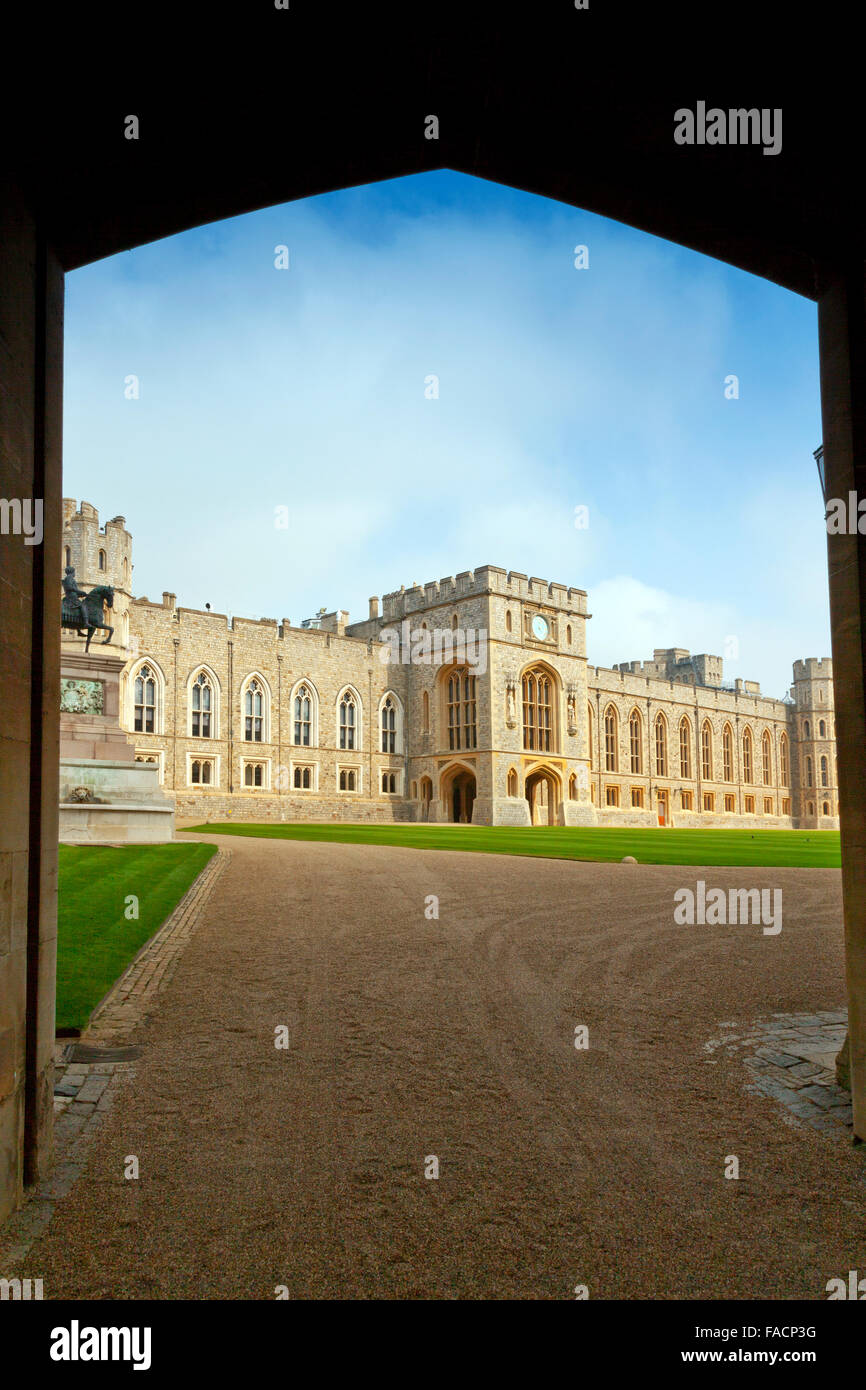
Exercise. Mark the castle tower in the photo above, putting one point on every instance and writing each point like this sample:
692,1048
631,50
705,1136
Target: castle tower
100,555
814,742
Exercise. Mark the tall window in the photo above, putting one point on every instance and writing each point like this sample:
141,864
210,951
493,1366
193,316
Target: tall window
102,559
808,772
537,710
783,760
202,706
461,709
635,741
610,740
748,770
661,746
303,718
253,713
806,729
706,752
824,781
590,752
145,702
766,758
685,748
348,723
727,754
389,726
822,729
425,709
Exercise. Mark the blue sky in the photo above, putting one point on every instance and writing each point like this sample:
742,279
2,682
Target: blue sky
604,387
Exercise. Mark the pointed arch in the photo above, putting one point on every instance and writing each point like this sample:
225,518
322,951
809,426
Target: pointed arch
144,697
766,758
203,703
727,754
635,740
660,727
349,719
748,756
707,771
304,708
540,701
255,709
784,761
458,704
611,738
390,723
686,747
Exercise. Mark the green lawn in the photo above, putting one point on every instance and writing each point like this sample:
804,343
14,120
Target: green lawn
767,848
96,941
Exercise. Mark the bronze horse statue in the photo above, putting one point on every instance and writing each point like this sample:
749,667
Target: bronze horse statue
84,613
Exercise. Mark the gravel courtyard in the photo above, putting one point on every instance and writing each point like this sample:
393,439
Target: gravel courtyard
412,1036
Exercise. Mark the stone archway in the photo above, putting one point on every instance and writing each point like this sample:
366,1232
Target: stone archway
459,789
544,795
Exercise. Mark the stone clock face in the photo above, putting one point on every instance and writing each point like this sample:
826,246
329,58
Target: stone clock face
540,627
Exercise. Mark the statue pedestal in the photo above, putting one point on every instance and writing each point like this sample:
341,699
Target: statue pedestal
106,797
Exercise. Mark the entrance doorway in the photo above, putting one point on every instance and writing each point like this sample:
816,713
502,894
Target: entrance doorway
460,797
542,793
662,805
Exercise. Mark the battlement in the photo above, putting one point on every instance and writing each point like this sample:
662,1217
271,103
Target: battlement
678,665
86,517
485,579
813,668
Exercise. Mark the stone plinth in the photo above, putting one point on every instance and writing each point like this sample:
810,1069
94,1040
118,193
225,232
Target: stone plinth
126,804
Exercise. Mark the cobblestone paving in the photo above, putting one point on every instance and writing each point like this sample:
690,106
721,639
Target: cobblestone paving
85,1091
792,1059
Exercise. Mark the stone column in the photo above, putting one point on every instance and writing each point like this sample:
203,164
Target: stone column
31,354
842,334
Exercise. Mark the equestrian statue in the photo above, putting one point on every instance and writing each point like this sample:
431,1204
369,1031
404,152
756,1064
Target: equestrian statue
84,612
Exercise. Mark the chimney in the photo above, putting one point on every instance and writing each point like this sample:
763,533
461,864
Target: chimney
374,607
168,600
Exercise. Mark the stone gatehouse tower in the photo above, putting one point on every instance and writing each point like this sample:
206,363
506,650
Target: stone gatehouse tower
463,699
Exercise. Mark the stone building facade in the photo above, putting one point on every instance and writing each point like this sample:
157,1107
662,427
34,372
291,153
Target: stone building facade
466,699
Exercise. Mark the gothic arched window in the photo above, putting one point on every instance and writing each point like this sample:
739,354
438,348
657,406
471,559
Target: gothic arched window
460,704
537,710
727,754
348,723
303,718
706,751
747,757
635,740
202,706
661,730
783,760
144,711
766,758
254,712
389,725
685,748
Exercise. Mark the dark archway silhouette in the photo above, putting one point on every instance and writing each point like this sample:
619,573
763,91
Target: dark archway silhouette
565,110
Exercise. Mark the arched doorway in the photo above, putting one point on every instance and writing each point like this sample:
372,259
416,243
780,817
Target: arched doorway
543,795
458,795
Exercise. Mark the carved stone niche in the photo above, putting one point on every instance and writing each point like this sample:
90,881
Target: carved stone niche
571,710
511,703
